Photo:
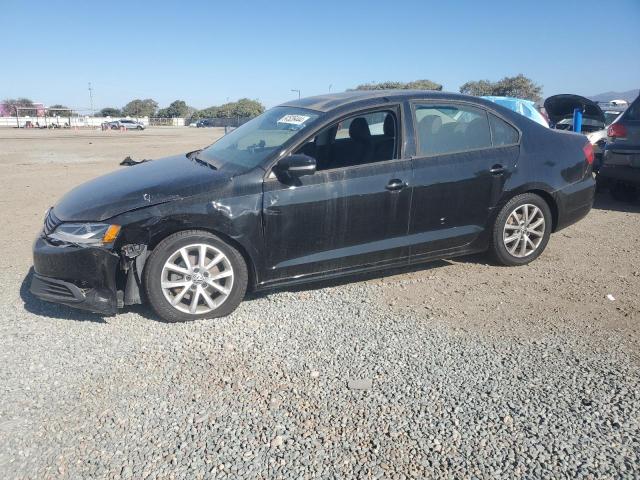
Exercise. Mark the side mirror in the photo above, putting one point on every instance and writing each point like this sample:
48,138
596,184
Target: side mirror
296,165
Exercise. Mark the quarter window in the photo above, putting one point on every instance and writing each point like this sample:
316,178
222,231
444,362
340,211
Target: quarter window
445,129
503,133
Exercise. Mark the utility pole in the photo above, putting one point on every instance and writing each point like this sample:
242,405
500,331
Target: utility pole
330,85
296,90
91,97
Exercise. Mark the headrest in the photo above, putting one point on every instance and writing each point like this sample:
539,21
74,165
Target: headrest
430,123
389,126
359,129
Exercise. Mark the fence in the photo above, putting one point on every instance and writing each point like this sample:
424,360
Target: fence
61,121
166,122
226,122
84,121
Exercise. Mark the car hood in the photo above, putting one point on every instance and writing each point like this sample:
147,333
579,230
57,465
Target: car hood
139,186
562,106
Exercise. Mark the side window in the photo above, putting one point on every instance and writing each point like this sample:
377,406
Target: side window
357,140
444,129
503,133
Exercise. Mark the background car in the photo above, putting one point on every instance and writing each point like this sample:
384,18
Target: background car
204,123
521,106
599,138
560,109
126,124
621,160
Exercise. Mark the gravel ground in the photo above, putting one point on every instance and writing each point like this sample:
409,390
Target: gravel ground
457,369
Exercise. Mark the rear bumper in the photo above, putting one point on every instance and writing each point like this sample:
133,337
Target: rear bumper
575,201
81,277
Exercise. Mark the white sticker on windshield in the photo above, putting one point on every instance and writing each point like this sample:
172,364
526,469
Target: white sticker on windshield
294,119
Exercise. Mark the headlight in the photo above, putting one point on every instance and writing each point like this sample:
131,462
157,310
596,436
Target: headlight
86,233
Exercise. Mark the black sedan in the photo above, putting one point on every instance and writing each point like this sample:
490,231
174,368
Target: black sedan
312,189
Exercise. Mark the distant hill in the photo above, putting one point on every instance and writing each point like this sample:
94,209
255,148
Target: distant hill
629,96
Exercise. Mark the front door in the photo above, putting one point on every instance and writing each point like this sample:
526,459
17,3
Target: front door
354,211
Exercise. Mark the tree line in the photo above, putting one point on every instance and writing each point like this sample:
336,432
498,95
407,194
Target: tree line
244,107
517,86
26,106
148,107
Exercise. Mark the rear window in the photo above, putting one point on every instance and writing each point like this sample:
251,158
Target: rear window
633,112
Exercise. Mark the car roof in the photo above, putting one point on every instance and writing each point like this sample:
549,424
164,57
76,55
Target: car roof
331,101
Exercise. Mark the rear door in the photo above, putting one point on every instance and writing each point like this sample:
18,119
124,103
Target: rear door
353,212
463,156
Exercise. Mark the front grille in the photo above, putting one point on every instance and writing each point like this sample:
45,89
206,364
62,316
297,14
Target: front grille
51,222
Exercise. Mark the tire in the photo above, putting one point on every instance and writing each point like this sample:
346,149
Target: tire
622,192
602,183
511,222
167,266
140,128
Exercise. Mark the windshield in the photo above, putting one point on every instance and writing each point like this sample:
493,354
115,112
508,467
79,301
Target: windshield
609,117
247,146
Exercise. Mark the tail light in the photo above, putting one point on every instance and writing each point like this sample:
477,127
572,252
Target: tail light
588,153
617,130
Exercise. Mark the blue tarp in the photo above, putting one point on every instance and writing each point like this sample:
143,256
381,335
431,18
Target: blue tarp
523,107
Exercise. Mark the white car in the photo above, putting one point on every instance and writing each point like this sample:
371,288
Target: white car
126,124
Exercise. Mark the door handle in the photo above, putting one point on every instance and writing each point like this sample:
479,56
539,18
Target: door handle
497,170
395,185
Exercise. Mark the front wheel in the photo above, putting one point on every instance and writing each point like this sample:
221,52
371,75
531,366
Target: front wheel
521,230
194,274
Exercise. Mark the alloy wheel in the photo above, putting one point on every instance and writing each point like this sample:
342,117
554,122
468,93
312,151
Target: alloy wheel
197,278
524,230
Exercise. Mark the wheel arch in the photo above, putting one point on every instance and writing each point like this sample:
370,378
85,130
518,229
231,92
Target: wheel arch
156,237
542,192
553,206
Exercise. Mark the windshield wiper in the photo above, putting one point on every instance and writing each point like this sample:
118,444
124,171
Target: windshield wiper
204,162
194,156
195,152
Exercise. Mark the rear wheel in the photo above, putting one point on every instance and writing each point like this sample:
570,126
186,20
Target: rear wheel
521,230
194,274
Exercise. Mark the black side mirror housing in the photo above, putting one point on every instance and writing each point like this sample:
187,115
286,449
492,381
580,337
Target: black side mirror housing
296,165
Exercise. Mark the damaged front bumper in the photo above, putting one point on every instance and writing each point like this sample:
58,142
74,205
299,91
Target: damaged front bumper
80,277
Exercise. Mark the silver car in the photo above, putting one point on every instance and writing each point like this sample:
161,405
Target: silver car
127,125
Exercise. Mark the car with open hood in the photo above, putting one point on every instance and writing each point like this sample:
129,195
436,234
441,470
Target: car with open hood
314,189
560,109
